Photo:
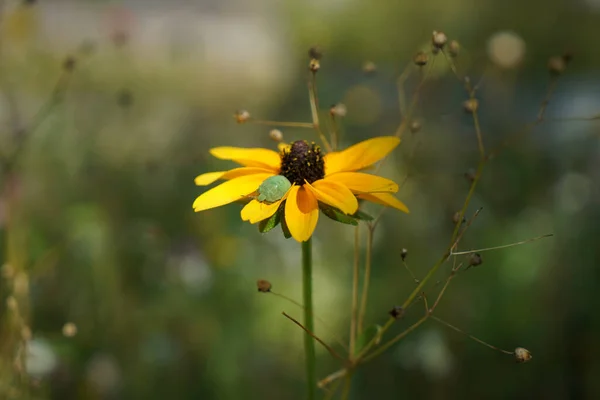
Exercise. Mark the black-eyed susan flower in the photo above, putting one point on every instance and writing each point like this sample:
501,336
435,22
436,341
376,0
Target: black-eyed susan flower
318,180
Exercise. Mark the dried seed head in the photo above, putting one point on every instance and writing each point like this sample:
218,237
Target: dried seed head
314,65
415,126
276,135
338,110
241,116
470,175
69,329
471,105
403,254
263,285
439,39
421,58
369,67
69,64
397,312
315,52
475,260
456,218
522,355
557,65
453,48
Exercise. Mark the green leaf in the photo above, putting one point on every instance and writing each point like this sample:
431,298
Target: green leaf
284,227
363,216
266,225
337,215
366,336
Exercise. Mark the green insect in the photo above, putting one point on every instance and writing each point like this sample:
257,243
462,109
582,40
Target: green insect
273,188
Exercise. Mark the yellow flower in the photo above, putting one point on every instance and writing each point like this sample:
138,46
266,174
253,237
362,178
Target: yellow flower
332,179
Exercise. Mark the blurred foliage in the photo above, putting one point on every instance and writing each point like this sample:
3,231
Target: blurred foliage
100,232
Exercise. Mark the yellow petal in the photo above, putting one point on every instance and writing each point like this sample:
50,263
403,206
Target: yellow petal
256,211
359,182
385,199
254,157
301,213
361,155
228,192
335,194
211,177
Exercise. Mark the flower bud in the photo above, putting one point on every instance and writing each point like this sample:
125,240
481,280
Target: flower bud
475,260
471,105
421,58
453,48
557,65
439,39
415,126
241,116
338,110
369,67
403,254
276,135
264,286
470,175
397,312
522,355
456,218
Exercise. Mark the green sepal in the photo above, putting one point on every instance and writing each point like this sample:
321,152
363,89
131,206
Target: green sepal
366,336
337,215
363,216
266,225
284,227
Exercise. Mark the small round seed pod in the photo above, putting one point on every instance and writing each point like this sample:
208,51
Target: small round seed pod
264,286
453,48
421,58
557,65
415,127
241,116
397,312
338,110
475,260
522,355
471,105
276,135
439,40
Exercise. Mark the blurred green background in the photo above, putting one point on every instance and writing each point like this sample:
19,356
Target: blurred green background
99,232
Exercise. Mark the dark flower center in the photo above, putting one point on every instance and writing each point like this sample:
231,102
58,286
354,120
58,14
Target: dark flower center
302,161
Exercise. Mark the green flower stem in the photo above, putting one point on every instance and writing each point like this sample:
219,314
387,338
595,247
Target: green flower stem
309,344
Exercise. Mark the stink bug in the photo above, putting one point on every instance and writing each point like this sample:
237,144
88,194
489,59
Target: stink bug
273,188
